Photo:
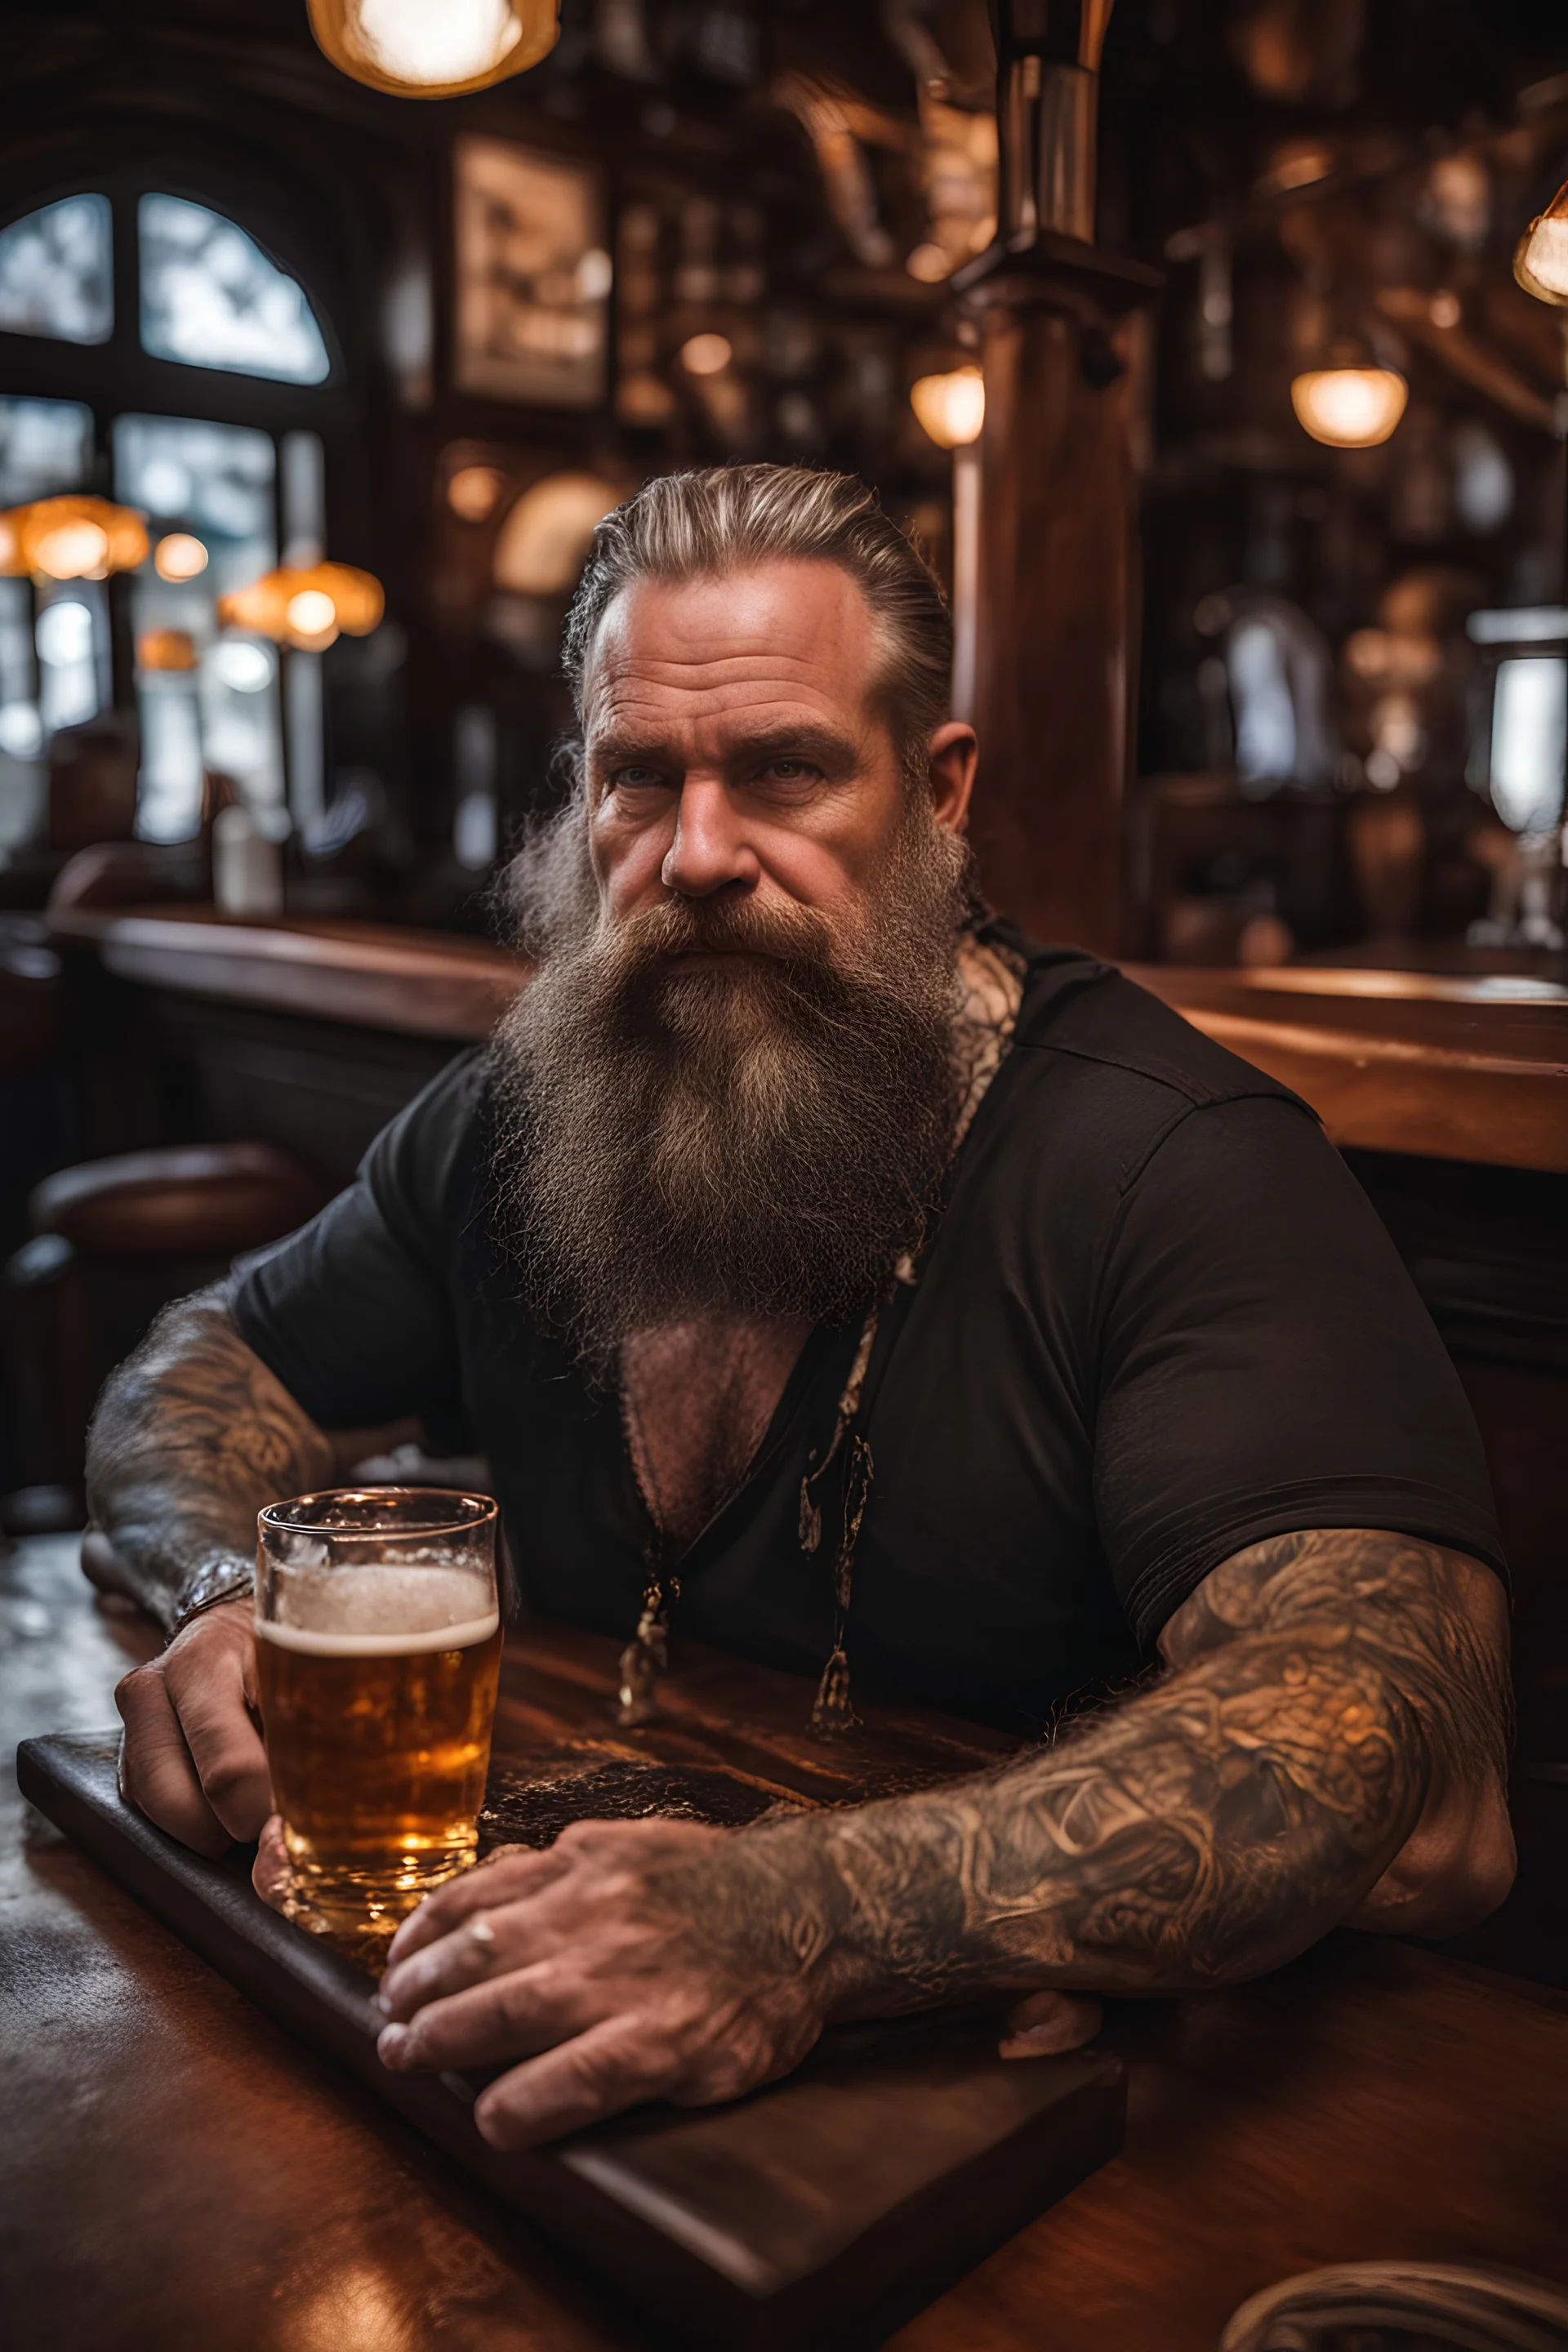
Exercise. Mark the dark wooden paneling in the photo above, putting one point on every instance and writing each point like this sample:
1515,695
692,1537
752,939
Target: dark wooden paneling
320,1090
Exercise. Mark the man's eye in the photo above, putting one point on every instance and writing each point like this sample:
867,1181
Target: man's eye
790,772
636,778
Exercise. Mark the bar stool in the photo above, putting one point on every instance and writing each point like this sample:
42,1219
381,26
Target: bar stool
113,1241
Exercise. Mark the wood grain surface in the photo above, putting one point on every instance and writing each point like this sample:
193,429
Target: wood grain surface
175,2170
810,2217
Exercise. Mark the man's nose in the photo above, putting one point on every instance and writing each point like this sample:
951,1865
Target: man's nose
711,850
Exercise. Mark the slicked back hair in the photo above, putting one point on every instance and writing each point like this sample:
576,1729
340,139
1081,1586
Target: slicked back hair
702,524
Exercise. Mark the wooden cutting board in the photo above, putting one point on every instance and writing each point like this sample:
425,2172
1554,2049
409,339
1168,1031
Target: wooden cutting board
824,2209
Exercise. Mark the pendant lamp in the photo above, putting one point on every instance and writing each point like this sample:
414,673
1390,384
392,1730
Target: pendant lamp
1540,257
71,539
952,407
306,605
1353,401
434,48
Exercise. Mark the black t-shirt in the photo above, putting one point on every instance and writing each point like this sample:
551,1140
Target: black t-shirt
1158,1321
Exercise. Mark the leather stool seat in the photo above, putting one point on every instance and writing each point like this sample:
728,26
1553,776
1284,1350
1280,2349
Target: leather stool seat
204,1200
114,1241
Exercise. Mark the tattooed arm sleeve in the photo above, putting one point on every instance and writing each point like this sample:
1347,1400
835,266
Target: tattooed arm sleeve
1330,1747
193,1434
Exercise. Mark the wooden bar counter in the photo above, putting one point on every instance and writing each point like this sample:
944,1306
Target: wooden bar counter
1447,1067
178,2171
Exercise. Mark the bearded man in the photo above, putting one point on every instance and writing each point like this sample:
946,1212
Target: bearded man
817,1261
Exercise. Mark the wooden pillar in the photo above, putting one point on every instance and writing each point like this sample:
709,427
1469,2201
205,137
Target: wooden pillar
1057,597
1058,591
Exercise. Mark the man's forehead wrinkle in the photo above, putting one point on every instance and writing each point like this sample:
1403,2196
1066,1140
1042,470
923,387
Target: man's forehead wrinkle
736,634
626,706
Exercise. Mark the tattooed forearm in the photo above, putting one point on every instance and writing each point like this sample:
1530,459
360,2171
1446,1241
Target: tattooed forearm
193,1434
1339,1705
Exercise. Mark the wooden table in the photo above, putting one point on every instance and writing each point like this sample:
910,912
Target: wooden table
175,2172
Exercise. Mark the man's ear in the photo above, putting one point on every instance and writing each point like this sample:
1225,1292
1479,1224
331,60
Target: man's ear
954,756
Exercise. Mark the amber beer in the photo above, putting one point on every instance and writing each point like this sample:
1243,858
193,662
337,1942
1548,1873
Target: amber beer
378,1652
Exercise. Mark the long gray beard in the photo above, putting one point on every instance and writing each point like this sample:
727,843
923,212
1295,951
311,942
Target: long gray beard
765,1138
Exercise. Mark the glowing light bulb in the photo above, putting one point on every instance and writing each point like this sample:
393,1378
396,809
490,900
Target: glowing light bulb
473,490
1540,257
1350,407
311,614
705,354
73,550
929,263
179,557
950,407
434,48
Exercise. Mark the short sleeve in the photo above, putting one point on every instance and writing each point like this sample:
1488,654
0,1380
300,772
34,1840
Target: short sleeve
353,1313
1265,1364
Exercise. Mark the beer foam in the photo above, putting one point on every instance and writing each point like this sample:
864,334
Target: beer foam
384,1611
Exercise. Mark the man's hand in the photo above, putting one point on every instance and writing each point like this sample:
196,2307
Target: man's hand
632,1961
191,1757
624,1963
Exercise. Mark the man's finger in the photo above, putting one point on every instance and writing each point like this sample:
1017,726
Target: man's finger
467,1956
206,1689
525,2010
156,1773
505,1878
272,1875
1048,2023
613,2065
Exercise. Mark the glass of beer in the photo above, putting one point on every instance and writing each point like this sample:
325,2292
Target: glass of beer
378,1646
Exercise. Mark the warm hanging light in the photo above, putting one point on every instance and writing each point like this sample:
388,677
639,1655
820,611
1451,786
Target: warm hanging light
77,538
167,649
180,556
950,407
706,354
1540,257
306,605
1354,405
474,492
434,48
11,563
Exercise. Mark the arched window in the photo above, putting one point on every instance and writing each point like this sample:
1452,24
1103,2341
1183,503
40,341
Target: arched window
222,498
210,297
55,274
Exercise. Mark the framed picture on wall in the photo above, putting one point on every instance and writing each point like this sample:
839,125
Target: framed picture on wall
532,314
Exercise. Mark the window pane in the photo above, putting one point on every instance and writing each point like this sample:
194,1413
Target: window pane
1530,741
216,484
72,637
44,446
21,771
210,297
55,274
209,479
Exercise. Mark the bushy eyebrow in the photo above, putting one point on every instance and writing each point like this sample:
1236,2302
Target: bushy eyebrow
834,753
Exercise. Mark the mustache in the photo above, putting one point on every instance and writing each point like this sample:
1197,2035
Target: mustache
792,936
